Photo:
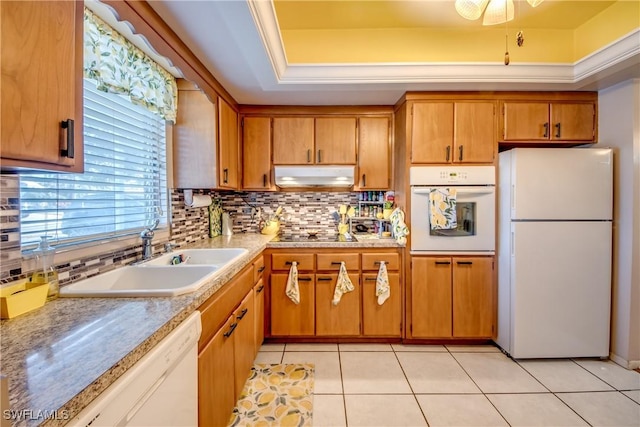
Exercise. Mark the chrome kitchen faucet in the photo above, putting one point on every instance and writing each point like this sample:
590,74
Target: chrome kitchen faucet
147,236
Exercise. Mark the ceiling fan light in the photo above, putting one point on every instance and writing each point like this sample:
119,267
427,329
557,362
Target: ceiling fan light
496,13
470,9
534,3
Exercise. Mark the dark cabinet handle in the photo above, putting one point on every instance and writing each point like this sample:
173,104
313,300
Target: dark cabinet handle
231,329
377,262
557,130
70,150
364,180
546,130
264,180
464,262
448,152
309,156
370,279
289,262
260,289
324,279
336,262
319,156
242,313
261,269
305,279
443,262
460,156
225,172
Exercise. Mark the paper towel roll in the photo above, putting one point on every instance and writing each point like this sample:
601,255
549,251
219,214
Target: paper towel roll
197,200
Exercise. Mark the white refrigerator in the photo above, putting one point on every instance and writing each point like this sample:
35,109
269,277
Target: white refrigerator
555,242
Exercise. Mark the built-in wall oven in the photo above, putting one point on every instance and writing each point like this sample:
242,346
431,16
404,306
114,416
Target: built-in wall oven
473,191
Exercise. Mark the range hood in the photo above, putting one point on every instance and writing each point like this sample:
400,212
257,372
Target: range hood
314,176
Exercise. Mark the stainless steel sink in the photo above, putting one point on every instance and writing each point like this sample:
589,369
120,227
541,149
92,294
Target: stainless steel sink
158,277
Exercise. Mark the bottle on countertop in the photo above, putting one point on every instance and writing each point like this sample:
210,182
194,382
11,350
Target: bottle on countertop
45,271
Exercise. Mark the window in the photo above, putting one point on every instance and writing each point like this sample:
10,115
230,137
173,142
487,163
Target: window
123,189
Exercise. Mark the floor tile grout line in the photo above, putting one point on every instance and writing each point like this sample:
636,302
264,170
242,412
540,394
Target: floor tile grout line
601,379
413,393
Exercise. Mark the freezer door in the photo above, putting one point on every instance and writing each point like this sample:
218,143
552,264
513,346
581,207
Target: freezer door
560,289
561,183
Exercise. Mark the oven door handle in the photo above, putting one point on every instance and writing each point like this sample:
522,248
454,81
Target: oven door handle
489,190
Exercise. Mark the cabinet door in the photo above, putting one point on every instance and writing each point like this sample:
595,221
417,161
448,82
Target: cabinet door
228,142
256,153
526,121
337,320
335,140
216,383
573,122
194,140
244,341
258,304
381,320
431,298
475,132
374,165
287,318
473,310
41,81
293,140
432,132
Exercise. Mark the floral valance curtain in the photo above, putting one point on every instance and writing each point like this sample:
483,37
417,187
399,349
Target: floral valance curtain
117,66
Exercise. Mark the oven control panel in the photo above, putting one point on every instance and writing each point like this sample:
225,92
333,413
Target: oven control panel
452,175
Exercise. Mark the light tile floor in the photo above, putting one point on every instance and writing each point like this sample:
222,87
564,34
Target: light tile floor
398,385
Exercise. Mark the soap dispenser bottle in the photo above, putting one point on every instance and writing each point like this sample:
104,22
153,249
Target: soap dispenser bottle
45,271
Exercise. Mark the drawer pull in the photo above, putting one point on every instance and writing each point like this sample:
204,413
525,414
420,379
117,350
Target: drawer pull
260,289
464,262
289,262
242,314
261,269
370,279
324,279
336,262
304,279
231,329
443,262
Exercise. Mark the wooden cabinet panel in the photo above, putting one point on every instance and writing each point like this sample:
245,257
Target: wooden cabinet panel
216,378
337,320
374,154
256,153
431,298
526,121
258,304
244,341
258,268
473,297
293,140
329,261
283,261
385,319
228,141
475,132
371,261
432,132
41,81
573,122
194,140
335,142
287,318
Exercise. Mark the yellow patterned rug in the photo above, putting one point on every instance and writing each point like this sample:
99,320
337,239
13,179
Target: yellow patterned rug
276,395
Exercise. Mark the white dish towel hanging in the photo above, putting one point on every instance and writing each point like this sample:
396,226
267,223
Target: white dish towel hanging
383,291
293,290
343,284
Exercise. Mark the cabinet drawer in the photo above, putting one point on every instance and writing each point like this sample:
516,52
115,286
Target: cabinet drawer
258,268
283,261
332,261
372,261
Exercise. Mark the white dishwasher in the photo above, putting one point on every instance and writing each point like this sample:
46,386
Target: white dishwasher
161,389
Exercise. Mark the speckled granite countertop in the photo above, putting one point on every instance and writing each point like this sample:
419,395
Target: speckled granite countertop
60,357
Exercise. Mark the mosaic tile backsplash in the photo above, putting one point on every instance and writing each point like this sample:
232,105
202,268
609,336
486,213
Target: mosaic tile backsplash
303,211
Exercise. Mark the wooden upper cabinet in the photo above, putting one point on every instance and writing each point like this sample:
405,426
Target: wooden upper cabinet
544,121
256,153
453,132
374,154
228,141
293,140
194,140
42,46
335,139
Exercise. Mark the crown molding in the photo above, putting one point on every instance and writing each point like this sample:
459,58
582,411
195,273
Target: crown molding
625,49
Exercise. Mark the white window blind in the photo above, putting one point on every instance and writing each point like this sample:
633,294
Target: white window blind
123,188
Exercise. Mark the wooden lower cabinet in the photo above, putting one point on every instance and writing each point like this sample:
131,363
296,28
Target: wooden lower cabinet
244,341
452,297
216,377
288,318
381,320
342,319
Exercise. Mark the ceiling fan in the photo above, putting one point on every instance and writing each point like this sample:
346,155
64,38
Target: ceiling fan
495,11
